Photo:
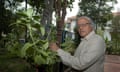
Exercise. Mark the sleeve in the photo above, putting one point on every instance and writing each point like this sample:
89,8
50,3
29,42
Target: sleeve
95,50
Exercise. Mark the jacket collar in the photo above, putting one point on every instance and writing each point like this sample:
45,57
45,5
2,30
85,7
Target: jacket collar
88,36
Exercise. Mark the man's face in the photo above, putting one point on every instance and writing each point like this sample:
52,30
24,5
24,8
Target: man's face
84,27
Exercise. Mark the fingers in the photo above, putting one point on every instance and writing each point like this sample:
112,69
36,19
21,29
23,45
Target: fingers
53,46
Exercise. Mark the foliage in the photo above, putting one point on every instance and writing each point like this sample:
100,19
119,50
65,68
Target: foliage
31,33
33,48
115,46
69,45
116,23
38,5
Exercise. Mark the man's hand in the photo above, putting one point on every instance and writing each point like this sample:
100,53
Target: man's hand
53,47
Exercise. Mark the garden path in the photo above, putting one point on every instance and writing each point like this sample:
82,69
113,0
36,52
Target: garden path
112,63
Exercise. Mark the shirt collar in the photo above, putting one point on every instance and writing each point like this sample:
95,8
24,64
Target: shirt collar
88,36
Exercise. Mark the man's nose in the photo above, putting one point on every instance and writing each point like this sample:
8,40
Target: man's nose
80,27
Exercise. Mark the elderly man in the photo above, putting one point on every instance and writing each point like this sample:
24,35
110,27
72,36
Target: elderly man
89,55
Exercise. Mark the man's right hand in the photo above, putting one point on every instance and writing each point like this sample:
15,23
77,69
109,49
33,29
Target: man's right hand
53,47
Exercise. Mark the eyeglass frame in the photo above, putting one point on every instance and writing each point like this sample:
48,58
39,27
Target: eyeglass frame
82,25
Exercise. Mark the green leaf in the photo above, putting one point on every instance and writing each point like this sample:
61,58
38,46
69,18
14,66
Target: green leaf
36,17
45,46
24,49
22,14
45,54
38,59
29,12
18,21
42,30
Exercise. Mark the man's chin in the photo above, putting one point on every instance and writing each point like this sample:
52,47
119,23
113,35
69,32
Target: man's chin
82,36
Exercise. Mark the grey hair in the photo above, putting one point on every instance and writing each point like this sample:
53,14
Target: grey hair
89,19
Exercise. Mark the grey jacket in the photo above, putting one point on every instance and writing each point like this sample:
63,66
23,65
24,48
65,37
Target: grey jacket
88,57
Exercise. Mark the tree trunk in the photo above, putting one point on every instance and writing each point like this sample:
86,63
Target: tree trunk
47,15
60,10
60,13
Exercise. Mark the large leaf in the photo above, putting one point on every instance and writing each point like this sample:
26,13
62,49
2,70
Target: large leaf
44,53
29,12
45,46
38,59
36,17
42,30
24,49
22,14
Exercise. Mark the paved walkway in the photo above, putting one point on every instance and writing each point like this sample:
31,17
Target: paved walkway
112,63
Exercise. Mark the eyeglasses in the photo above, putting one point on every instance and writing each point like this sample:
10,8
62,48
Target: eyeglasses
82,25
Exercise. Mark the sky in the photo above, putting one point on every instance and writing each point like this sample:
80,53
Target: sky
117,7
76,8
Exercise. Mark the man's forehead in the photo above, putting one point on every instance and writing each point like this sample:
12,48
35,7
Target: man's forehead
83,19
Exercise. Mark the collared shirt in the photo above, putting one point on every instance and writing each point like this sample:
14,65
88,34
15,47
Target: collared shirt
89,55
